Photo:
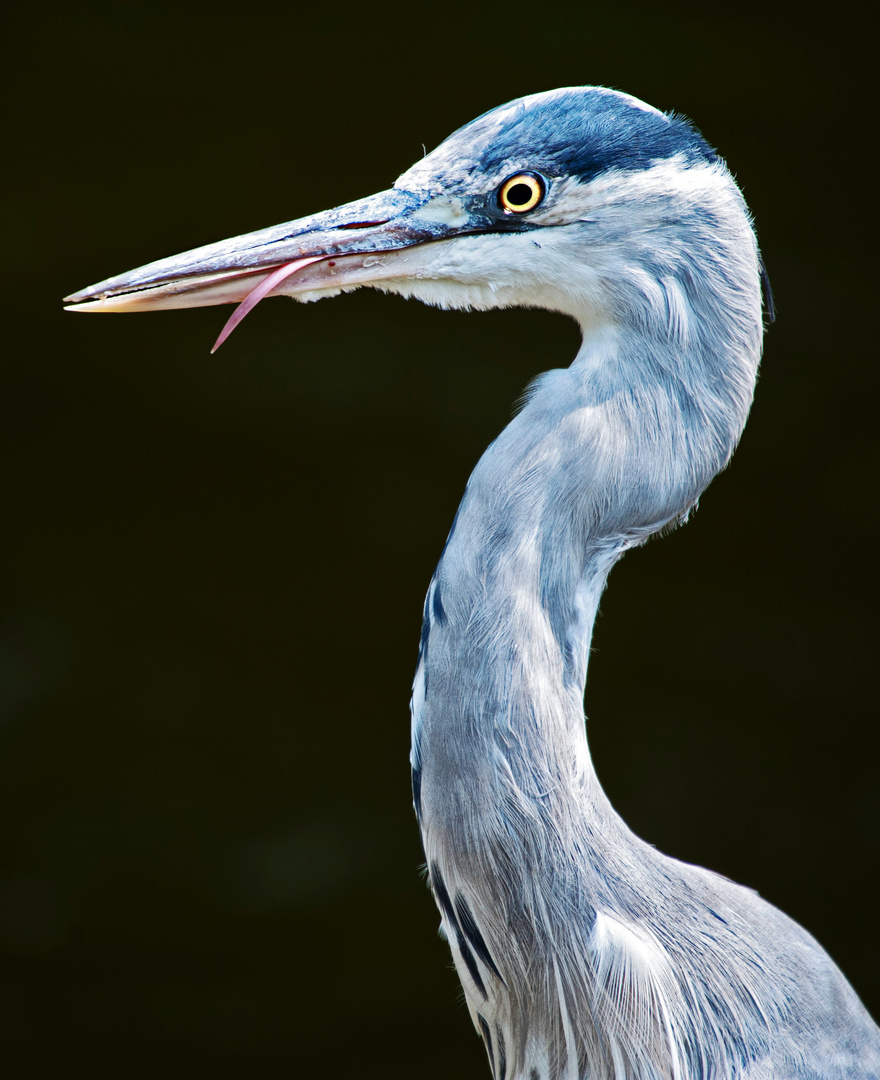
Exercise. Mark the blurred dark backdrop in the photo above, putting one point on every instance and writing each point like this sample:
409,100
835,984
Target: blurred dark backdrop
212,568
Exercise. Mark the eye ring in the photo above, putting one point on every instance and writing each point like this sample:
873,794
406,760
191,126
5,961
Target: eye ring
521,192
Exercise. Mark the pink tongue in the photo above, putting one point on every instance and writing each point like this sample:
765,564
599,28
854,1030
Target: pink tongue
256,295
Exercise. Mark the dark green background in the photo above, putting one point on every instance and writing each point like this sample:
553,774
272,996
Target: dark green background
212,568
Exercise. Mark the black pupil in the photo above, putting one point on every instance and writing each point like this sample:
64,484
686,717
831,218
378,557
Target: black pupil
519,194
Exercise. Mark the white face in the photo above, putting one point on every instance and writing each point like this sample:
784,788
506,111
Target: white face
494,271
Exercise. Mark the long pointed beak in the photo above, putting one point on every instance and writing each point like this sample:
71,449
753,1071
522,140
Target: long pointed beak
338,249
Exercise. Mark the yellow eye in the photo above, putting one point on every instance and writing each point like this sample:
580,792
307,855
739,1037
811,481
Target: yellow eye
521,192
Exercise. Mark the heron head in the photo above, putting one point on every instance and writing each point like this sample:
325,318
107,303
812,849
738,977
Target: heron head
577,200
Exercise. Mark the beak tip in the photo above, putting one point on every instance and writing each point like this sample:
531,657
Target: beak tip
92,305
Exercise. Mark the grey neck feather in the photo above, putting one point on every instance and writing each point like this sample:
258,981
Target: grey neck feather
598,459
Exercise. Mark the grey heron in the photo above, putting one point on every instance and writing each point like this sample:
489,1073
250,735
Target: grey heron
583,952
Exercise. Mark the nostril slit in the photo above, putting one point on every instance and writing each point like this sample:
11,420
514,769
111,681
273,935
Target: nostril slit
363,224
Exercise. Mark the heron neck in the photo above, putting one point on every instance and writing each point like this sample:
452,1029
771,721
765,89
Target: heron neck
590,467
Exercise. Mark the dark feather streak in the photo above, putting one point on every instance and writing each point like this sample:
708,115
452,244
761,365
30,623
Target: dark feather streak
472,933
445,902
502,1055
487,1039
